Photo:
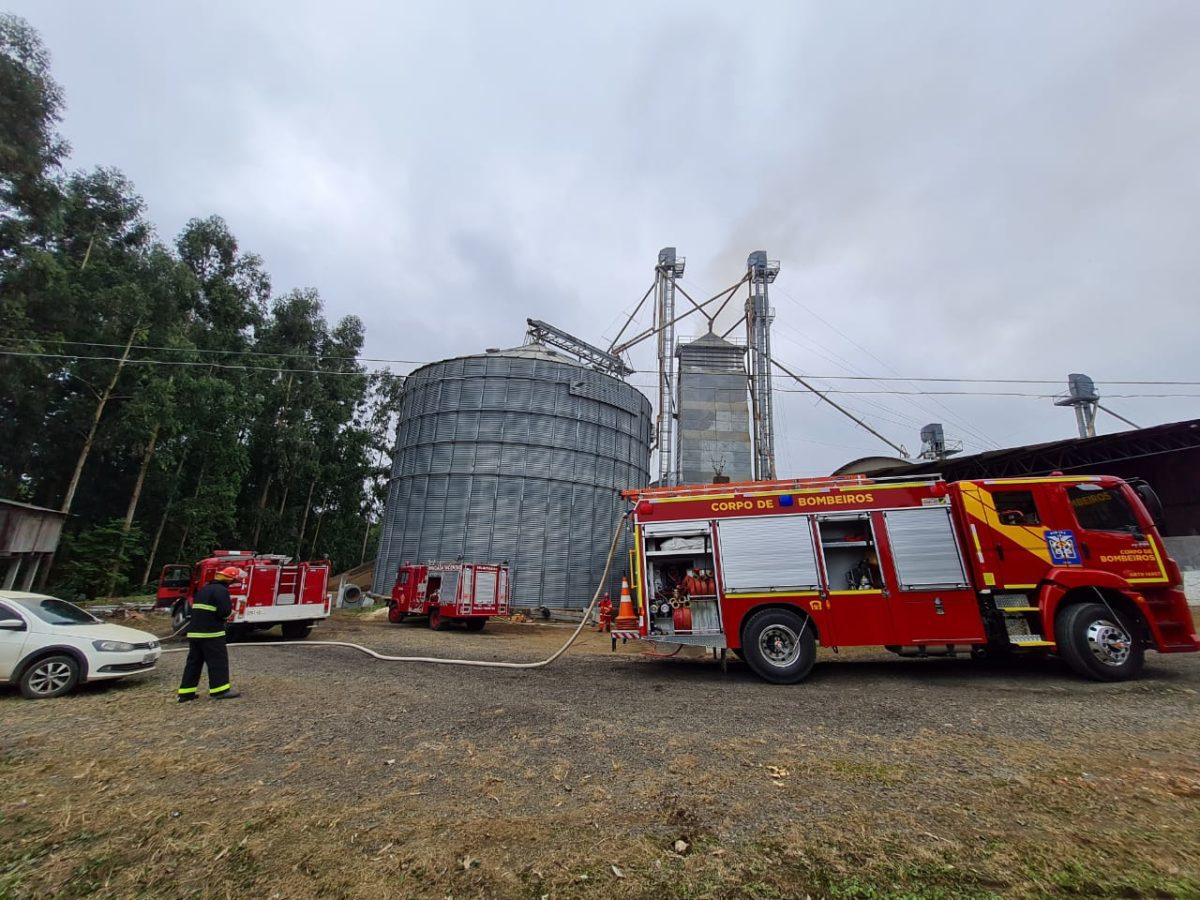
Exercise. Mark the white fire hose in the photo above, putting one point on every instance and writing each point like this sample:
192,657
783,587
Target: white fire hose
486,664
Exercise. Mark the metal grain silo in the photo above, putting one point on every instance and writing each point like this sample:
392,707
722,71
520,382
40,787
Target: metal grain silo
516,455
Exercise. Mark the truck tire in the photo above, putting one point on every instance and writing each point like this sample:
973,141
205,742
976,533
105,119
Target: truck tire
179,614
436,621
295,631
1097,644
50,676
394,614
779,645
475,623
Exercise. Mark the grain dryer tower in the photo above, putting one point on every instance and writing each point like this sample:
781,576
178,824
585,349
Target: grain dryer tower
519,456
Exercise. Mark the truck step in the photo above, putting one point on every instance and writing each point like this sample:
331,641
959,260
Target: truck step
1011,601
1018,609
1029,640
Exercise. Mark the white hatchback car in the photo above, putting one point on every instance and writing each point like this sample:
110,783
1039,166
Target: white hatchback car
47,646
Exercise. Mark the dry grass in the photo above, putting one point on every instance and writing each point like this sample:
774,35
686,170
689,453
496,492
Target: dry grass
117,793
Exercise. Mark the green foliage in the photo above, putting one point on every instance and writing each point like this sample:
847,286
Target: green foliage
199,409
91,553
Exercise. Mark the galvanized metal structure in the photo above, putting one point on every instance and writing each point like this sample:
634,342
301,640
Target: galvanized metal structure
714,414
28,538
761,272
670,266
519,456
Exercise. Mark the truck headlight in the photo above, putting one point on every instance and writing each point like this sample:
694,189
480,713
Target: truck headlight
112,646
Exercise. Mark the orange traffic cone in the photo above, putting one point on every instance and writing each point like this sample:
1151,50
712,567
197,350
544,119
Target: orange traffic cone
626,617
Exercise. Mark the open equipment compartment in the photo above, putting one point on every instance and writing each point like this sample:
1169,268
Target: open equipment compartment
681,585
848,552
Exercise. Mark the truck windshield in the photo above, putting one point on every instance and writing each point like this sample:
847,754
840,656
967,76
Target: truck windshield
1101,509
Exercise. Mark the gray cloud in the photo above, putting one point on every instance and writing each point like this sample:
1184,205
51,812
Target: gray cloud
1003,190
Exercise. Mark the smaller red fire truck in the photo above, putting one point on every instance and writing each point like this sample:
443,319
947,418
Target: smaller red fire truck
274,591
1067,564
450,592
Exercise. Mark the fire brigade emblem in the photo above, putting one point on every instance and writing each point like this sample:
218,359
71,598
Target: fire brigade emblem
1063,549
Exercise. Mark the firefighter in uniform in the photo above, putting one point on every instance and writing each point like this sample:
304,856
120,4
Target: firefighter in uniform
206,639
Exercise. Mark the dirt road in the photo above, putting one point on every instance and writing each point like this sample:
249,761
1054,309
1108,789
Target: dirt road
339,776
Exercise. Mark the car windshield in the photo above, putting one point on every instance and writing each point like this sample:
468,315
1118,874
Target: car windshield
58,612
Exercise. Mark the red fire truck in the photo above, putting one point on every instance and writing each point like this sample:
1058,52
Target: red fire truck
1067,564
450,592
274,591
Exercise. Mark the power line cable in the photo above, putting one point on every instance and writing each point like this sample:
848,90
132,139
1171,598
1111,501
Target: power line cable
960,423
424,362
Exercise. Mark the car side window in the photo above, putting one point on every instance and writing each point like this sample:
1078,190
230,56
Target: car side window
7,612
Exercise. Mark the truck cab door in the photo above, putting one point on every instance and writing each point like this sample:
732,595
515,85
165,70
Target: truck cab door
1111,535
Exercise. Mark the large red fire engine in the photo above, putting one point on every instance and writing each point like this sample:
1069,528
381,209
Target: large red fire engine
768,569
450,592
274,591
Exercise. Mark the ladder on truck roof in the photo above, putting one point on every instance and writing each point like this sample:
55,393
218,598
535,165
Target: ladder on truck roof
750,488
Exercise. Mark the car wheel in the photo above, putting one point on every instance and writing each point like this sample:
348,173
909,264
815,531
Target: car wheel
475,623
50,676
394,614
779,645
436,621
179,615
1097,644
295,631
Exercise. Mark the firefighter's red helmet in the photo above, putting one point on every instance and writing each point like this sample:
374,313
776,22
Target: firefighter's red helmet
233,573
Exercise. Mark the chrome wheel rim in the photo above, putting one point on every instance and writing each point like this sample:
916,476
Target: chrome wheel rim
50,677
1108,642
780,645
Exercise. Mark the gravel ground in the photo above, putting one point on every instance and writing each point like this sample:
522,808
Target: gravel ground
338,775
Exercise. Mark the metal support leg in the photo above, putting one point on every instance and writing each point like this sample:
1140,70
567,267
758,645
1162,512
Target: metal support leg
10,578
31,573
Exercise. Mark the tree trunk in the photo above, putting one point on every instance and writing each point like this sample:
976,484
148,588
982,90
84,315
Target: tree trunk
316,533
262,505
96,416
304,518
162,522
366,534
188,527
131,511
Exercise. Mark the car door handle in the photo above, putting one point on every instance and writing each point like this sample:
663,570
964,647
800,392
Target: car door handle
999,552
1087,554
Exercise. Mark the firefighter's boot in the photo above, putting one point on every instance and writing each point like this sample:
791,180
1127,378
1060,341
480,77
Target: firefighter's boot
231,694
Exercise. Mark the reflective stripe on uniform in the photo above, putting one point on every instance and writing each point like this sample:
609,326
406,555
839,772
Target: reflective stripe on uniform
206,606
219,690
187,690
205,634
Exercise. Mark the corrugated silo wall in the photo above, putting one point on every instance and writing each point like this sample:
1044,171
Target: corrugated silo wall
519,459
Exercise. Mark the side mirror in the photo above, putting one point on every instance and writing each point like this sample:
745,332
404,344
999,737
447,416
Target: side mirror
12,625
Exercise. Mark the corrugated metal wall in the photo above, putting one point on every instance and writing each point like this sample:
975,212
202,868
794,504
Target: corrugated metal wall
514,456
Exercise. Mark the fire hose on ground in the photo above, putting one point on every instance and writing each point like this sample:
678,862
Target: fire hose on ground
486,664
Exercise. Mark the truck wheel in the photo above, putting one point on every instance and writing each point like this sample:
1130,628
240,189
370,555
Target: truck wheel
394,614
295,631
51,676
475,623
179,615
1097,644
779,645
436,622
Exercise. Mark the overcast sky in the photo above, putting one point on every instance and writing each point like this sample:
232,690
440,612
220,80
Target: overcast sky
982,190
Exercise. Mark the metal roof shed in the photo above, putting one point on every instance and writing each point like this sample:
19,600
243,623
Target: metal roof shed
28,538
